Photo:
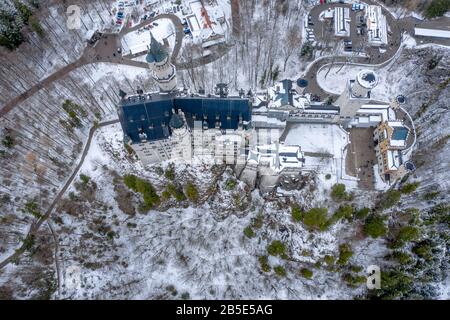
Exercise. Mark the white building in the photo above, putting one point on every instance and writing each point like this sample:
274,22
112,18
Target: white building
342,22
376,26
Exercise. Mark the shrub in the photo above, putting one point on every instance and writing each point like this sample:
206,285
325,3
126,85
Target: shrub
230,184
296,214
408,233
401,257
306,273
130,181
374,226
264,263
84,179
192,192
437,8
176,192
390,198
353,280
185,296
248,231
423,250
430,195
8,141
338,192
362,213
329,260
280,271
36,26
276,248
345,253
170,173
145,188
316,218
341,212
409,188
258,221
394,284
328,176
32,208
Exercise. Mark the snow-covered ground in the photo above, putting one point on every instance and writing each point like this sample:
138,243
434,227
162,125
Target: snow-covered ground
189,248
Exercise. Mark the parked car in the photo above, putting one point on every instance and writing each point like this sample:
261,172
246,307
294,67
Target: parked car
310,21
155,24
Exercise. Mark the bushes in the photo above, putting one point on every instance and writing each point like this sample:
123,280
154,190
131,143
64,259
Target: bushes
402,257
437,8
264,263
191,192
230,184
276,248
409,188
341,212
345,253
32,208
297,214
390,198
8,141
430,195
306,273
408,233
177,193
151,198
280,271
362,213
353,280
394,284
84,179
338,192
248,232
170,172
316,218
328,176
329,260
374,226
423,250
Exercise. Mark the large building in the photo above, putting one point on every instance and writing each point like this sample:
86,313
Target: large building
376,26
356,93
171,124
390,140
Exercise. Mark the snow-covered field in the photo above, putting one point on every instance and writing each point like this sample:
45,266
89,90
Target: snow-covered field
189,248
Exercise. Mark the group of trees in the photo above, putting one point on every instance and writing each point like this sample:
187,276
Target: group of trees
12,21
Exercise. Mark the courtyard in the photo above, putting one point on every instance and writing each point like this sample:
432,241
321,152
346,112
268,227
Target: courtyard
361,157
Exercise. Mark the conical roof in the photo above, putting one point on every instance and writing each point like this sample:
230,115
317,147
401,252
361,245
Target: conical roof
156,52
176,121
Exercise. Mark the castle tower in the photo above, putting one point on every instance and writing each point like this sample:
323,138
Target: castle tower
356,94
164,71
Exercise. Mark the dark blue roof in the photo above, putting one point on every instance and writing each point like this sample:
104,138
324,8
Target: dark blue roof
400,133
156,53
225,110
153,116
302,83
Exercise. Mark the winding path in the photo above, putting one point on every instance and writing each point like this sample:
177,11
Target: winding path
106,50
37,224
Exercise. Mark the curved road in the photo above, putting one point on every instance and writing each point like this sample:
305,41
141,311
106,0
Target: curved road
375,57
37,224
106,50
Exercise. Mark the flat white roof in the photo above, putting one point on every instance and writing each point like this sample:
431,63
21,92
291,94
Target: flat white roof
438,33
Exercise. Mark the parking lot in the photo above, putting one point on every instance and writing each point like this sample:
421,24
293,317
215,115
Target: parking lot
321,24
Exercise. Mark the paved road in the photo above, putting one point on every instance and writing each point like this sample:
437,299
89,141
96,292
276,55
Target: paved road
36,225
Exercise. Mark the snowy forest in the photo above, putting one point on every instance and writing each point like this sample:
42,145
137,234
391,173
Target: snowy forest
191,231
